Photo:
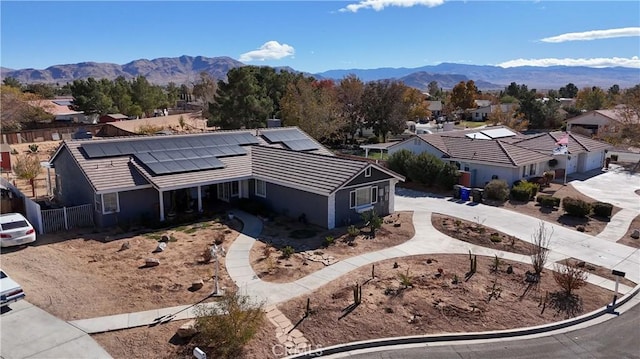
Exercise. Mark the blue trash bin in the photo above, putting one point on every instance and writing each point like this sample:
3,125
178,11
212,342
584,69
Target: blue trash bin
465,193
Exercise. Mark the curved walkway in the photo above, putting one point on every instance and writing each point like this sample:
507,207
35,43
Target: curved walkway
565,243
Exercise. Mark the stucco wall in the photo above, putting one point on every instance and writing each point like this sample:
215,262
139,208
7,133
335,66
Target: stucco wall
74,189
417,146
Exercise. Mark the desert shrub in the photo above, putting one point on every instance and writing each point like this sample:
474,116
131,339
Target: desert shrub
569,277
398,161
33,148
576,207
548,201
495,238
225,329
497,190
353,231
287,252
372,220
602,209
448,175
328,240
424,168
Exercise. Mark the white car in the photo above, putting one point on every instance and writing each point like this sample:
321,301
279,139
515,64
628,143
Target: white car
15,230
10,291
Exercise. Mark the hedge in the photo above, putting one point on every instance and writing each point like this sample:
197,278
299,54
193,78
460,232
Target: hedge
602,209
576,207
524,191
548,201
497,190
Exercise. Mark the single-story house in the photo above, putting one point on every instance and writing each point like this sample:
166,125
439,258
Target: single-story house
161,176
60,110
190,122
436,108
482,113
112,117
597,121
501,153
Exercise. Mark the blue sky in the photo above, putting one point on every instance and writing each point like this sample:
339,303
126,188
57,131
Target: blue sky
319,36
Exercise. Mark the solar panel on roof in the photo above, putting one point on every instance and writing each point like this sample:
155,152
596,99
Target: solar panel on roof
172,166
125,148
226,151
246,138
189,154
301,145
498,133
92,150
214,162
175,155
187,165
157,168
140,146
160,156
111,149
145,158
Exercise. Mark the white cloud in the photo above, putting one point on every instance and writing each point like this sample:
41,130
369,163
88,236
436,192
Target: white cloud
378,5
633,62
271,50
594,35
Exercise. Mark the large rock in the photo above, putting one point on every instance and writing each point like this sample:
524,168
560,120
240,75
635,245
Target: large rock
151,262
197,284
161,247
187,329
635,234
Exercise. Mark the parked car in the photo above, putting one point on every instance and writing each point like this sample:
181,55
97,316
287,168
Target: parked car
10,290
15,230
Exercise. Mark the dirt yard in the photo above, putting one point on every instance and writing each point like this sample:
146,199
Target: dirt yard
422,296
477,233
45,151
83,275
312,250
627,240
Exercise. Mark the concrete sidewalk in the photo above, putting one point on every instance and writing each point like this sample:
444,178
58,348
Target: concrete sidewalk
30,332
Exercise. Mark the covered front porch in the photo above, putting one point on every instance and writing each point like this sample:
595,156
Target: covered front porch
187,200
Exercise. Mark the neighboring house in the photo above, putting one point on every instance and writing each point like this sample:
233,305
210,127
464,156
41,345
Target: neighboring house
482,113
61,110
598,121
161,176
501,153
112,117
192,122
436,108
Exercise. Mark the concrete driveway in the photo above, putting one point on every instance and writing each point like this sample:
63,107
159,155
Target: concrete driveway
29,332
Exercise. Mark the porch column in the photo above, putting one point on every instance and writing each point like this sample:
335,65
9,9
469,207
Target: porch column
366,153
331,211
199,199
392,195
161,206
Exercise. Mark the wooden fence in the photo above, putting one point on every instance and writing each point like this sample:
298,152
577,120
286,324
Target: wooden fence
65,218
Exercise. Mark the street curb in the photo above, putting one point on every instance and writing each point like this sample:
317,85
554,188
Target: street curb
383,342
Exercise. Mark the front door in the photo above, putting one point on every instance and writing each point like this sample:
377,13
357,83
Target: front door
224,191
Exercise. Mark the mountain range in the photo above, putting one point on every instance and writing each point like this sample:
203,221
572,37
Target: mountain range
186,69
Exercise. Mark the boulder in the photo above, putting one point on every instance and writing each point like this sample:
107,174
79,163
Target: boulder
151,262
161,247
197,284
165,238
126,245
187,329
635,234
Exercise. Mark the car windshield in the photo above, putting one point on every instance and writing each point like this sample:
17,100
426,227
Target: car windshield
14,225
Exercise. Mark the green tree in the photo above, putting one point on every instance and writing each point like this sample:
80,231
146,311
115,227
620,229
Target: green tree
46,91
399,161
531,108
384,109
173,94
149,97
91,97
121,96
593,98
569,91
417,105
435,92
242,101
516,91
12,82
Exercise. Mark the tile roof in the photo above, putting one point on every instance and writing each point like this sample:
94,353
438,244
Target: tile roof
51,107
618,114
317,171
491,151
546,142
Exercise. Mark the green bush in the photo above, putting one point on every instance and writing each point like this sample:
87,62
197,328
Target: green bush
576,207
524,191
497,190
398,161
424,168
373,140
602,209
287,252
448,175
548,201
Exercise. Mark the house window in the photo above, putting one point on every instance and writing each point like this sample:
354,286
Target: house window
235,189
524,171
363,197
261,188
367,172
107,203
532,169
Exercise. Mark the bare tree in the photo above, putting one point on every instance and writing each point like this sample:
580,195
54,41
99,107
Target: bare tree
541,239
569,277
28,167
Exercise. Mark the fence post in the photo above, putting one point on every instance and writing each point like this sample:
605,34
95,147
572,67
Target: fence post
66,223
